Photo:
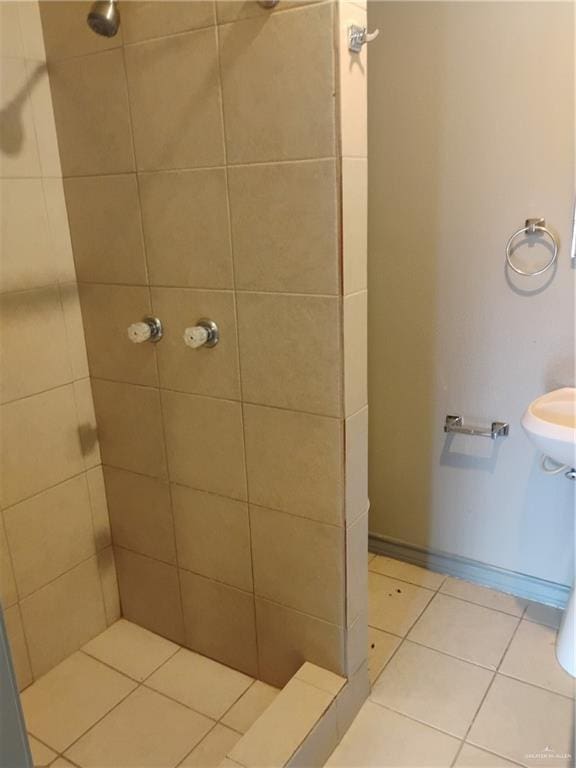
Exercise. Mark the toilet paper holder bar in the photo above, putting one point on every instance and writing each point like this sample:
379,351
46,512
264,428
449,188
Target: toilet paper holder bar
455,424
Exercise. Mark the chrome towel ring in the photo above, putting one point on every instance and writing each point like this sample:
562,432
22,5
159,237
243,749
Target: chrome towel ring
532,227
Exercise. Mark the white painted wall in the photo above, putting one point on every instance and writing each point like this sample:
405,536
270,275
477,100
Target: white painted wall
471,131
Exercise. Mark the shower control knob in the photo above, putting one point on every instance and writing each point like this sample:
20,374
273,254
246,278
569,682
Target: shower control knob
205,334
149,329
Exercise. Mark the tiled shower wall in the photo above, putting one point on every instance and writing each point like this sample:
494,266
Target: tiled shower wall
201,155
57,581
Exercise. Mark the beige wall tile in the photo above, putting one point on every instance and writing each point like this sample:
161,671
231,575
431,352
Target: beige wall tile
267,90
204,443
236,10
33,349
356,429
150,594
130,427
19,155
10,36
290,351
8,593
99,507
144,20
351,699
18,648
47,422
319,743
62,259
27,258
175,101
357,645
285,240
49,534
43,114
299,563
187,240
106,229
357,570
206,371
66,32
74,330
107,312
288,638
87,428
92,117
353,86
355,224
294,462
213,536
355,352
31,28
109,582
140,514
63,615
320,678
219,622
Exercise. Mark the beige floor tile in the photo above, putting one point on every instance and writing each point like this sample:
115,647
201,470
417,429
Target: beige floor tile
371,556
520,721
532,658
200,683
543,614
397,569
489,598
131,649
472,757
470,632
61,762
381,646
250,706
63,704
41,754
394,605
438,690
213,748
379,738
145,730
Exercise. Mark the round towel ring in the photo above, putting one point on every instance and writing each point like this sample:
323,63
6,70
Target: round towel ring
532,227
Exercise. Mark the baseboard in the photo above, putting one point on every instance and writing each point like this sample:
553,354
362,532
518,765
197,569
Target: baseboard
518,584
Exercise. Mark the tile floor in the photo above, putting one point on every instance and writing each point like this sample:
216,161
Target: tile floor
462,676
130,698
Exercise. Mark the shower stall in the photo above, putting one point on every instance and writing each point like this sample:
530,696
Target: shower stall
183,390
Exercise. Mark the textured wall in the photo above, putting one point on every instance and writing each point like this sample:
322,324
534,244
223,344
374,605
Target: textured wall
58,585
460,156
202,174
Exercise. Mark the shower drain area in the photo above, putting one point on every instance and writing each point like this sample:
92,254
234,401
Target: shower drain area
132,698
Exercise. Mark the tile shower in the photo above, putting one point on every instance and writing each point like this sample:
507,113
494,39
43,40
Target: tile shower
196,165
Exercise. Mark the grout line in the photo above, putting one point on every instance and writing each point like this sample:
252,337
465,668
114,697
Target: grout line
158,388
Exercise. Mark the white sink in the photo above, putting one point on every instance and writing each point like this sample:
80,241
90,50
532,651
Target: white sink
550,423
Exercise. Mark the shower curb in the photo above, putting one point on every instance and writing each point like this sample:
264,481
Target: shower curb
305,722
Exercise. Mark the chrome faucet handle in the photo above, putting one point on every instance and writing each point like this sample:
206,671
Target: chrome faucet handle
149,329
204,334
358,36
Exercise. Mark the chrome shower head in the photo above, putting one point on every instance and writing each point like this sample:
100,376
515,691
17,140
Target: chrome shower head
104,18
